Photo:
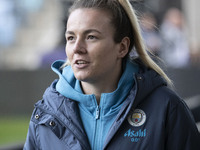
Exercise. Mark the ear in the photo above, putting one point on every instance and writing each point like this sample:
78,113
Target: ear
124,47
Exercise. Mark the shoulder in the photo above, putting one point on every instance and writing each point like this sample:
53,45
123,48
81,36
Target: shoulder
51,97
165,102
173,106
169,95
166,105
169,98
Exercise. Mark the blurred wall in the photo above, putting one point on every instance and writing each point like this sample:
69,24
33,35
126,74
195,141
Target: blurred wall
19,90
186,81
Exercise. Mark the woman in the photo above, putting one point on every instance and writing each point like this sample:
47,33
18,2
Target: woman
103,99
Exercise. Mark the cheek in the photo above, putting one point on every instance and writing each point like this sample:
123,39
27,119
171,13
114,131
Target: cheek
109,51
68,52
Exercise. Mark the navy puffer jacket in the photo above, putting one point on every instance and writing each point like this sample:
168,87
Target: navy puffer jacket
152,117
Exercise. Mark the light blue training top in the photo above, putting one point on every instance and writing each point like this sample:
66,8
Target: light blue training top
97,119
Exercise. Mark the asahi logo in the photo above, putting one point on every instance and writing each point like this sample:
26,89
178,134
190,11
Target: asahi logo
135,136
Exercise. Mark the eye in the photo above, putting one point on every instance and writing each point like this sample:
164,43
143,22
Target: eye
91,37
70,38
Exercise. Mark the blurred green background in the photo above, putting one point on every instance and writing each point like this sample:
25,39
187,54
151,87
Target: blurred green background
13,129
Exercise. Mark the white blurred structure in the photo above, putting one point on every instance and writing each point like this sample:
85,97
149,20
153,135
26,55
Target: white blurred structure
192,11
7,23
39,35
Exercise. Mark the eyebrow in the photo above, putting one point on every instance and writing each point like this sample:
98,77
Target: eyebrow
85,32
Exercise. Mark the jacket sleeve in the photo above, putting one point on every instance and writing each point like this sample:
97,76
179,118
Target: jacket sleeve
30,143
182,133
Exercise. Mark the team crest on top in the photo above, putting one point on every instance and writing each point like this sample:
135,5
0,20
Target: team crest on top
137,118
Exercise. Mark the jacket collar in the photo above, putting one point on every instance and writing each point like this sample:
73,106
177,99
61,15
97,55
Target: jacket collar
147,80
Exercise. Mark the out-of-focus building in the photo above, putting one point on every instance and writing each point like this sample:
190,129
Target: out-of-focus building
41,25
192,11
38,32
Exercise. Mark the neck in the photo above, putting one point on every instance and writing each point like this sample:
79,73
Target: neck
106,85
97,90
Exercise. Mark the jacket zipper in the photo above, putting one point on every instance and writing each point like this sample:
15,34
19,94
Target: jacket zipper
97,113
96,136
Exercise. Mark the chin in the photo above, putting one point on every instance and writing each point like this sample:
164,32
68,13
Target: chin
80,77
84,79
83,75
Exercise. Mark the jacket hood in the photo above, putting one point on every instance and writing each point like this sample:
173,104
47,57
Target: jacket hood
67,82
90,111
70,82
146,80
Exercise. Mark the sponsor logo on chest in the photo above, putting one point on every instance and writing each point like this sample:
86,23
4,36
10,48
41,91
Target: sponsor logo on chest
135,136
136,119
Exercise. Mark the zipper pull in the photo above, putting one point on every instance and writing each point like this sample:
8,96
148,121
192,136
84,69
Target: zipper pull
97,113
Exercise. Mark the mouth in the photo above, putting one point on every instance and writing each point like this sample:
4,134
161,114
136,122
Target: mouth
80,64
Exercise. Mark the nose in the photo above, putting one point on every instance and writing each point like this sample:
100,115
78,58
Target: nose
79,46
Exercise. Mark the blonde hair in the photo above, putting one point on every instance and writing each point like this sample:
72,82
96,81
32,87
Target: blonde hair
126,23
139,44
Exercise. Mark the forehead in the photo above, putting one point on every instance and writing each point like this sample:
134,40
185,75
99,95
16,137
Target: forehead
89,18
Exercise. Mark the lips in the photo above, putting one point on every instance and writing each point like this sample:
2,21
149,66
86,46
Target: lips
80,64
